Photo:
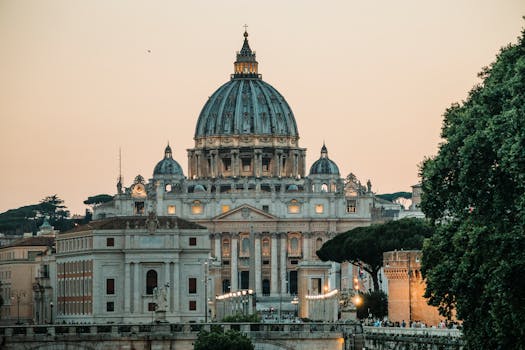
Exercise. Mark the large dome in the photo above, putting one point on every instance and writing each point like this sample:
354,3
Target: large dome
246,105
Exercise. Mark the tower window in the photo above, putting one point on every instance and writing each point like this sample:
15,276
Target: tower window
246,164
319,208
171,210
139,208
196,207
265,164
227,164
294,207
351,206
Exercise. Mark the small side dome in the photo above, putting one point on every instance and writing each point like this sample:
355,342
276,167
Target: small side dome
292,188
199,188
167,166
324,166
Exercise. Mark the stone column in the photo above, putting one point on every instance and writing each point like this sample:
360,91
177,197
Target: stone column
306,245
127,288
284,243
177,283
235,161
258,272
295,163
217,240
257,163
136,289
167,280
234,262
274,285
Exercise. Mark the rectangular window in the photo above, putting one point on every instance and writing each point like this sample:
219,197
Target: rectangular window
110,242
139,208
266,208
265,164
110,286
351,206
152,306
227,163
319,208
196,207
246,164
225,208
192,285
294,207
193,241
110,306
171,210
193,305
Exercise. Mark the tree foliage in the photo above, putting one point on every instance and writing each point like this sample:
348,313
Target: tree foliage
392,196
374,303
98,199
253,318
364,246
28,218
474,191
217,339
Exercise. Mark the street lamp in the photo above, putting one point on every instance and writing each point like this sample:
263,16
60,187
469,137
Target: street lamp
51,307
295,301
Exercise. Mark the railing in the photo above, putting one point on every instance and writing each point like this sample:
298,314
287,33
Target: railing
431,332
254,329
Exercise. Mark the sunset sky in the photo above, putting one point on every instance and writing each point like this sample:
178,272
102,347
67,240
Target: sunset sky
81,79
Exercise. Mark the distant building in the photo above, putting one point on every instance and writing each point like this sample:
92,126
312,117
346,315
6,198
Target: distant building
19,266
406,287
123,269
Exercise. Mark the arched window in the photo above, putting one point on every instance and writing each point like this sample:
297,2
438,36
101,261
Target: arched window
196,207
294,207
151,281
324,188
266,287
225,285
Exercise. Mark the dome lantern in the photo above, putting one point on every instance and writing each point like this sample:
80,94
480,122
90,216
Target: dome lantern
246,66
324,165
168,165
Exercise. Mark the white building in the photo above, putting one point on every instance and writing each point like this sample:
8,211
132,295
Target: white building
109,270
248,185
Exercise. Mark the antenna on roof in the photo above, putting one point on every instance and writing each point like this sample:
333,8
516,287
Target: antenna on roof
119,182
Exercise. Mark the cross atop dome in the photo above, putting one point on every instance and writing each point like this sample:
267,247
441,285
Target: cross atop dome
246,66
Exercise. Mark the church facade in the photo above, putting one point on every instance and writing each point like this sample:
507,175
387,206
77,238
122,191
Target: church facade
248,184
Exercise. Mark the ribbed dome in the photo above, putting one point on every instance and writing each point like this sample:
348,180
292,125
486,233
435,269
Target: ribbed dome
246,106
168,166
324,166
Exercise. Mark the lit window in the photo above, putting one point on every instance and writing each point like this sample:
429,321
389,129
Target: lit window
225,208
225,247
294,207
351,206
319,208
196,207
171,210
266,247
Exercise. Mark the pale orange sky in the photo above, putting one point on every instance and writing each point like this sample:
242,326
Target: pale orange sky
371,78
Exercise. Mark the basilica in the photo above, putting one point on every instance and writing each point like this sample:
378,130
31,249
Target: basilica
266,212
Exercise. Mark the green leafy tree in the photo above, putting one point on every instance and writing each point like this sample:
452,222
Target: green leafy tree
364,246
391,196
474,192
98,199
374,303
217,339
253,318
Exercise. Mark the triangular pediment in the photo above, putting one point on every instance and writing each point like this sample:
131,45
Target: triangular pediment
245,212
